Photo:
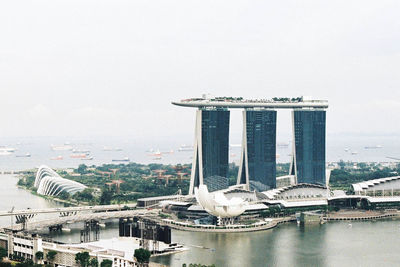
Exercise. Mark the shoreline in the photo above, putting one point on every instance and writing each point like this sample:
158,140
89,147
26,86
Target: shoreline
58,200
338,216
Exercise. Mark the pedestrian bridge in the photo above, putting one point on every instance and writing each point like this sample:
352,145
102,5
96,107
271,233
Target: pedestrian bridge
43,224
66,210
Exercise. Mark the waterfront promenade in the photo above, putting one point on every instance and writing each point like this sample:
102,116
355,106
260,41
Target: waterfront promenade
344,215
356,215
235,228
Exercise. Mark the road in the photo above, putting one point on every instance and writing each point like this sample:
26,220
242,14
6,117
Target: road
98,208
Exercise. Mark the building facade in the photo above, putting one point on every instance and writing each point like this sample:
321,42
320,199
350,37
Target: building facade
257,169
258,159
308,162
211,149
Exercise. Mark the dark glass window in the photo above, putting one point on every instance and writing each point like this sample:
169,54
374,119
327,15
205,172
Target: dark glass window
309,131
261,148
215,145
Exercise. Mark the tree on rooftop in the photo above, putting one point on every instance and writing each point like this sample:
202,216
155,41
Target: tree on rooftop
142,255
106,263
39,255
51,255
3,253
94,262
82,258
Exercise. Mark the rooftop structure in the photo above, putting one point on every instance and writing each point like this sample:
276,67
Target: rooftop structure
239,102
120,251
257,170
378,186
298,192
50,183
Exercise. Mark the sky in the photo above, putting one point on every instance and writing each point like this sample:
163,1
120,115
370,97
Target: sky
112,68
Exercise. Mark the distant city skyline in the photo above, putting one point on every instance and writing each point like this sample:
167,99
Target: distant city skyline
90,68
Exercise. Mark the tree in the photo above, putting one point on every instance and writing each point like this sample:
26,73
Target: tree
106,197
64,195
39,255
82,258
94,262
85,195
28,262
51,255
5,264
82,169
3,253
142,255
106,263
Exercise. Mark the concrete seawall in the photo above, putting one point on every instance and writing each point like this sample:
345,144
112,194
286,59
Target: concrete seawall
229,229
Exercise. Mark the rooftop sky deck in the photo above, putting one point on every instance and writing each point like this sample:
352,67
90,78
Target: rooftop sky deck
239,102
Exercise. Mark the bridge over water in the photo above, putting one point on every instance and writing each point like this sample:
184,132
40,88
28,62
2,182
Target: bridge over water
43,224
31,226
66,210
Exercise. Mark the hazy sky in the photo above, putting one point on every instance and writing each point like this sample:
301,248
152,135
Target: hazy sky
86,68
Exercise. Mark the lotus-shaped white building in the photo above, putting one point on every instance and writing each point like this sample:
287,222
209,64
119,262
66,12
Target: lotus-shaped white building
50,183
217,204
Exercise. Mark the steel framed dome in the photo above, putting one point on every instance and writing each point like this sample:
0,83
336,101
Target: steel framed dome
50,183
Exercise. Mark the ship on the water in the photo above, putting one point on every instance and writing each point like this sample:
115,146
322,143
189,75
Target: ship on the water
79,156
126,159
26,155
185,148
80,151
65,147
4,151
373,147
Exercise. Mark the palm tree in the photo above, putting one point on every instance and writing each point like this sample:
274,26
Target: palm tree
51,255
39,256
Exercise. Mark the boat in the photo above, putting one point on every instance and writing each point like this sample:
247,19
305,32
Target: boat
64,147
373,147
4,153
6,150
106,148
57,158
80,151
27,155
156,153
117,149
183,148
126,159
87,158
78,156
354,152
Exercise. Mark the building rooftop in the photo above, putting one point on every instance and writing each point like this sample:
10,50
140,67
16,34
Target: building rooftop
240,102
365,185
